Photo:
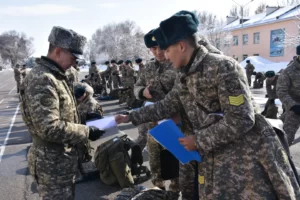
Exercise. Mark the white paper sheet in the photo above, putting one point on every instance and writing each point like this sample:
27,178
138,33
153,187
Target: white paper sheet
147,103
105,123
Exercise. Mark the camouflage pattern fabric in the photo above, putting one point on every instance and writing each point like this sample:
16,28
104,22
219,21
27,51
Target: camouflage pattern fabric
271,87
72,75
249,71
18,77
49,112
161,77
288,88
260,77
114,76
141,69
240,149
142,137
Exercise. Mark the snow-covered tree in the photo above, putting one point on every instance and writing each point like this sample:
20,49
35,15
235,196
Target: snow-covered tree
123,40
15,47
213,29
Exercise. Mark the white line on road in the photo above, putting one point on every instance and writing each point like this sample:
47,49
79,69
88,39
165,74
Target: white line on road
12,90
2,147
1,101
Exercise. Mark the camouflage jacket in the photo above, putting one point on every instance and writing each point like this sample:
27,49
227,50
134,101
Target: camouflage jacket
160,76
93,69
237,146
17,73
23,73
89,104
114,69
249,68
141,69
48,107
271,87
72,77
288,85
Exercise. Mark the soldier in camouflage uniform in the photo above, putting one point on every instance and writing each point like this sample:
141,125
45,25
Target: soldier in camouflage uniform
129,82
249,71
23,73
288,91
114,74
153,84
139,61
18,77
86,102
242,156
271,83
122,71
106,77
49,112
72,75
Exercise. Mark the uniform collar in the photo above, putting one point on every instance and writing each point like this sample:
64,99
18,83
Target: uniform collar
197,57
52,65
296,63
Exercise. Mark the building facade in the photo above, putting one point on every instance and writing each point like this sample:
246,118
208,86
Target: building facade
266,34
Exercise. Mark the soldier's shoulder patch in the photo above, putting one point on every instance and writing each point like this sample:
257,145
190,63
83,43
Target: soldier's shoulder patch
281,156
46,100
236,100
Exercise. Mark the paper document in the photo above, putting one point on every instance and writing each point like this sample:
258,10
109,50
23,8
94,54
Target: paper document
167,134
105,123
147,103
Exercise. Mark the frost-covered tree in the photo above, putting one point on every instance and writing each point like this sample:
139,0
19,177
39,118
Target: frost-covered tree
15,47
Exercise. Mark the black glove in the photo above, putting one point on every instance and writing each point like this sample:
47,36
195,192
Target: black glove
95,133
296,109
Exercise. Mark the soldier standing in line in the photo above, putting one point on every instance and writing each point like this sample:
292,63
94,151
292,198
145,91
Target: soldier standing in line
139,61
49,111
114,74
236,144
129,82
106,77
122,70
271,110
153,85
249,71
288,91
18,77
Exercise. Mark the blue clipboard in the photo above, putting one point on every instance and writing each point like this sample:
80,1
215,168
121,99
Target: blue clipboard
167,134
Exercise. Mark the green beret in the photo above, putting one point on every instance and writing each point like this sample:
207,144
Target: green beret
67,39
270,74
127,62
113,61
150,40
120,62
298,50
178,27
79,92
93,63
107,62
138,61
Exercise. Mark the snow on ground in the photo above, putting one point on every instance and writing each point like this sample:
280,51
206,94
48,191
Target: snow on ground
263,65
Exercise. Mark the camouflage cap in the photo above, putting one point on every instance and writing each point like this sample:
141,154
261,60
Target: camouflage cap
67,39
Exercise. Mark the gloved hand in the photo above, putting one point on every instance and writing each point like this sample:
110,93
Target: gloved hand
95,133
296,109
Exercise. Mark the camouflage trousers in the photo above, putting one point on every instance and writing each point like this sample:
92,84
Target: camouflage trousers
115,81
18,84
291,125
154,149
249,78
142,137
186,180
53,172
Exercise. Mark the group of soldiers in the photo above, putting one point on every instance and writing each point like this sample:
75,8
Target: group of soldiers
204,92
20,74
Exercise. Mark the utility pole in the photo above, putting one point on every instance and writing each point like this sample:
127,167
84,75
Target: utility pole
242,12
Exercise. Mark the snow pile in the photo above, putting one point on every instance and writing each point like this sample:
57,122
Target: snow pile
263,65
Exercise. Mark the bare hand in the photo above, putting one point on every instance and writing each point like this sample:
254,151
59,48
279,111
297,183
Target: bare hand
188,142
122,119
146,93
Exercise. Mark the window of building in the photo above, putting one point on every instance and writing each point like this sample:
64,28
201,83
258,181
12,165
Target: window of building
235,40
256,54
245,39
245,56
256,37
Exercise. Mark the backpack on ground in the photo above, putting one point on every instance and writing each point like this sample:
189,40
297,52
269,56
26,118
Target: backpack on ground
116,166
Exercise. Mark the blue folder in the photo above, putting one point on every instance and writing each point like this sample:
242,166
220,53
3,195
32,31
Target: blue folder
167,134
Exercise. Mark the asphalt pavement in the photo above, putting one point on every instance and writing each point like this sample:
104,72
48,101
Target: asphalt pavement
15,181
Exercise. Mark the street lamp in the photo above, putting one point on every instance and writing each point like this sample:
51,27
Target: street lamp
242,9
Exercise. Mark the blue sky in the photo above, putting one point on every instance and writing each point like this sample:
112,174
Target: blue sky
37,17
